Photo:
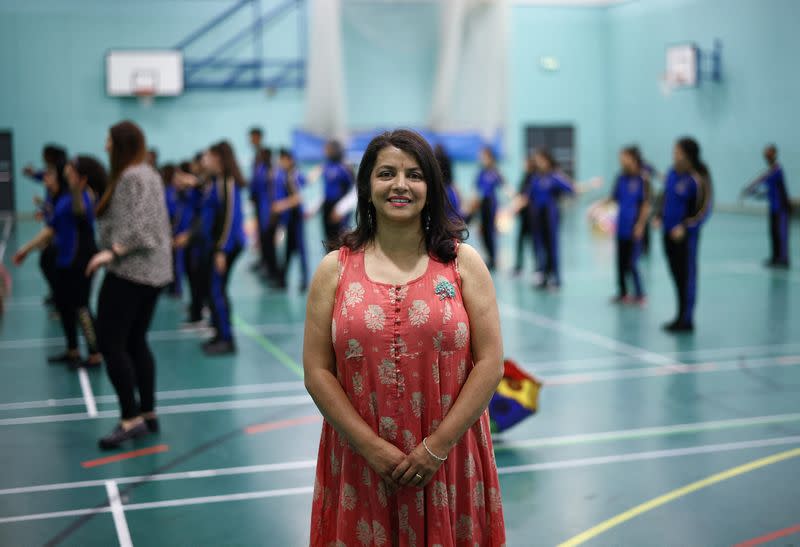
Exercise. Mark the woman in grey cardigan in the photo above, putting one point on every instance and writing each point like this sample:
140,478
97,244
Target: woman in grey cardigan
136,251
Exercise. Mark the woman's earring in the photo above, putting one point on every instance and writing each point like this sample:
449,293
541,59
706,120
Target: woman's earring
369,216
428,222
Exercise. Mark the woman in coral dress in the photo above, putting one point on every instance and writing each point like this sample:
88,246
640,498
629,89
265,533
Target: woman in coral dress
402,354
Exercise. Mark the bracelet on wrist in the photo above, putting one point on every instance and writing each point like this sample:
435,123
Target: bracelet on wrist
432,455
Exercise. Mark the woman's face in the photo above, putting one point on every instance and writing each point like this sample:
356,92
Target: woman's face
50,180
679,159
73,177
398,189
211,163
541,163
627,163
486,158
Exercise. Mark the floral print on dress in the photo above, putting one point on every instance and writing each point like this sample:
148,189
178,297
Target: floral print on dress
354,294
375,318
403,355
462,335
418,313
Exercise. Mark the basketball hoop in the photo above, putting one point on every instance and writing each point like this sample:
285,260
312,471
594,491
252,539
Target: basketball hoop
668,83
145,96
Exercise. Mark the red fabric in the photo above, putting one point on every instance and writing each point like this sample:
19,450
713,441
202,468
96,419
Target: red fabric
402,357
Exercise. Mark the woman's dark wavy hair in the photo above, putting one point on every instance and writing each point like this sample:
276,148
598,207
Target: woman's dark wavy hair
95,173
127,148
548,156
444,231
692,151
230,168
61,176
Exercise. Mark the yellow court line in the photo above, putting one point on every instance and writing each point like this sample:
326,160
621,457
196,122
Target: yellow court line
675,494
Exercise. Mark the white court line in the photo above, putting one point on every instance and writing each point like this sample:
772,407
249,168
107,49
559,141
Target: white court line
544,466
586,377
652,455
585,438
243,389
163,410
115,504
159,335
714,352
588,336
557,380
88,395
200,474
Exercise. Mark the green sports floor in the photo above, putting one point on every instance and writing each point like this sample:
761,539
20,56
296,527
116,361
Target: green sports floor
641,439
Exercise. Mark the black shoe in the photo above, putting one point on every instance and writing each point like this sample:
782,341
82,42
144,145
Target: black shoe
220,347
75,365
679,327
152,425
119,435
64,359
210,342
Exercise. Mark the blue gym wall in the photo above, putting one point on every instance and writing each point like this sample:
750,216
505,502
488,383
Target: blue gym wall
52,55
754,104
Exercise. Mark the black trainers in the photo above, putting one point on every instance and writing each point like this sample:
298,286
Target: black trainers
220,347
119,435
87,364
64,359
152,425
677,327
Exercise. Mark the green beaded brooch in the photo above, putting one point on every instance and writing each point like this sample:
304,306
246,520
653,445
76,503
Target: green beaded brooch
445,289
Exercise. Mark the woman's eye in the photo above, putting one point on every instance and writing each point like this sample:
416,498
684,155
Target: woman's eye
385,174
414,175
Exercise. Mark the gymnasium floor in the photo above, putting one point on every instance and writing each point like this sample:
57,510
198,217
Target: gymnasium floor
628,414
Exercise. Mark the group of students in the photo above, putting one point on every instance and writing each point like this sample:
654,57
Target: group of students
133,245
682,208
276,192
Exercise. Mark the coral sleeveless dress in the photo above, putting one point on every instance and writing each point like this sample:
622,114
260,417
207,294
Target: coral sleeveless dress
402,356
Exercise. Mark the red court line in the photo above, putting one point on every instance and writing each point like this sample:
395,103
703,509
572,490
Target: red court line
126,456
271,426
772,536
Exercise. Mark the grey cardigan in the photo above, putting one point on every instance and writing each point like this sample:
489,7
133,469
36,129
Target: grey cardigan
137,220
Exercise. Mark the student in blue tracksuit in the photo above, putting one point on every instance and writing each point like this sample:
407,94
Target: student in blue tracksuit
174,210
70,228
52,156
338,179
454,199
524,218
687,202
632,194
190,238
488,182
223,224
546,187
779,207
288,206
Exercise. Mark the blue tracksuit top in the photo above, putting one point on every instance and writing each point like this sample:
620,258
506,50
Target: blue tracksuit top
546,188
687,201
337,179
631,192
223,220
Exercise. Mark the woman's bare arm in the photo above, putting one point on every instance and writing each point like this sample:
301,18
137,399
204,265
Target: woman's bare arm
319,364
487,352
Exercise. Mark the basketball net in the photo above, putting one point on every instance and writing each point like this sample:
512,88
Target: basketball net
145,96
668,83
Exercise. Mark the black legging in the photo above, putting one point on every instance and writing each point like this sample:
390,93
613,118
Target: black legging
268,251
47,264
124,312
71,291
332,229
488,230
198,281
524,233
295,244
